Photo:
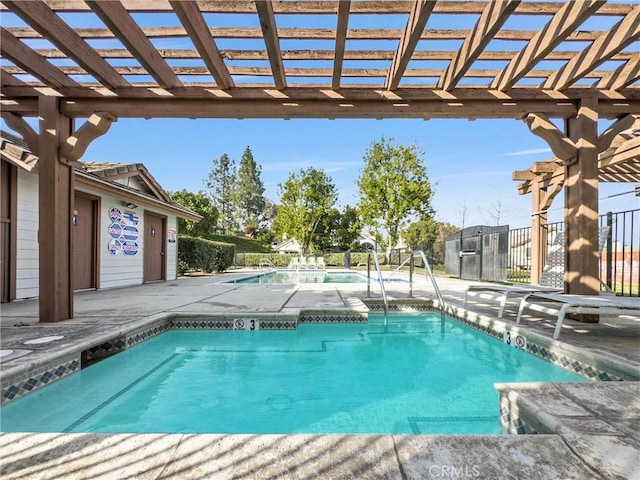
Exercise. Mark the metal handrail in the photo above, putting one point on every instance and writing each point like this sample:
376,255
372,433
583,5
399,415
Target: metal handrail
381,281
429,274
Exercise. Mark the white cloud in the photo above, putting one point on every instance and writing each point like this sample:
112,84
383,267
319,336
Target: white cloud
533,151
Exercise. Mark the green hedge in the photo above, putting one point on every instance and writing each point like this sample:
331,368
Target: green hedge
198,254
250,260
337,259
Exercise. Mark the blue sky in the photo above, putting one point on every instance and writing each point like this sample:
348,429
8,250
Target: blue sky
468,162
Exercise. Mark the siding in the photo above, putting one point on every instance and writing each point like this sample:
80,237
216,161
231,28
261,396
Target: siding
27,236
172,249
119,270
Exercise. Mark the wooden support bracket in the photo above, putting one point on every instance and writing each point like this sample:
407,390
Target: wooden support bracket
21,126
561,146
605,139
96,125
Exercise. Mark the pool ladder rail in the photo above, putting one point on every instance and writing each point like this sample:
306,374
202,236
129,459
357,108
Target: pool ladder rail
428,272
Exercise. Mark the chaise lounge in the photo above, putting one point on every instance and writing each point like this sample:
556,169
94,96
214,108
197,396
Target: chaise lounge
577,304
551,280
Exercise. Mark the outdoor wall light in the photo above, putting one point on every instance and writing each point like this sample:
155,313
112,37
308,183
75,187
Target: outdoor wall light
130,205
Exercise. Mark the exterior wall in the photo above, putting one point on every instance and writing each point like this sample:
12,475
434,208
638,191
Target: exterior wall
117,270
172,247
27,235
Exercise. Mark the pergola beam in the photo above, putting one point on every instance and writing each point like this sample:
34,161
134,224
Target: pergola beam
493,17
51,26
195,25
415,26
272,41
623,34
341,37
563,23
119,21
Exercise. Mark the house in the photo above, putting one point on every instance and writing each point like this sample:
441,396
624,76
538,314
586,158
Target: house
288,246
124,228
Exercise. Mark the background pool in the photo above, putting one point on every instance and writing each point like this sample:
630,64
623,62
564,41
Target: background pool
305,276
425,375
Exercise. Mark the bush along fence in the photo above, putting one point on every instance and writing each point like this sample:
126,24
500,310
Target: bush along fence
200,255
283,260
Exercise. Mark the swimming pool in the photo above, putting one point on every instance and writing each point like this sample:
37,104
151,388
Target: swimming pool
422,374
305,276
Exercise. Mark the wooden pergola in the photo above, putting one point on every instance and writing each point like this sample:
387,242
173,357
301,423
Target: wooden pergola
64,60
618,162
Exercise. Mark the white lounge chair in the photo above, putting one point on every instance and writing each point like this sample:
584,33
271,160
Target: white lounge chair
320,263
311,261
551,280
577,304
294,264
303,263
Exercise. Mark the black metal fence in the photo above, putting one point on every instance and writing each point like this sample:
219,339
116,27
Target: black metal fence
619,261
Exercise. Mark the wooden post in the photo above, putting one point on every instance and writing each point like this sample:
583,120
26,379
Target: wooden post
538,235
55,184
581,203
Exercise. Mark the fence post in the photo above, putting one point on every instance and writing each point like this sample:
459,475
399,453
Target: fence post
609,249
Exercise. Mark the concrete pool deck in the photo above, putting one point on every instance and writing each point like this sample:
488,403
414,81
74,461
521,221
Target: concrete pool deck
595,427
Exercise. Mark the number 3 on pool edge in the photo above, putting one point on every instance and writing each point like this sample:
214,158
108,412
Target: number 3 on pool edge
507,338
252,325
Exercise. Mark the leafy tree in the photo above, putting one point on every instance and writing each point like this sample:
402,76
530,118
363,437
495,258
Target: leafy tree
393,186
338,230
249,192
429,235
422,234
221,184
307,196
201,204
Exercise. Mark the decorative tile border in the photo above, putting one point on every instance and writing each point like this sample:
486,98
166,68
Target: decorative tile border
563,360
146,333
104,350
201,324
337,318
23,384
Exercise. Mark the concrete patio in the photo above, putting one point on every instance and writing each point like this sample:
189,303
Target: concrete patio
590,430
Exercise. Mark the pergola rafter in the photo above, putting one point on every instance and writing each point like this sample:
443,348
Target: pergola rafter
491,20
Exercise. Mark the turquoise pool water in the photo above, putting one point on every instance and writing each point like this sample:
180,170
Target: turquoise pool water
423,375
305,276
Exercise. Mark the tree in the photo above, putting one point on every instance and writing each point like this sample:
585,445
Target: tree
338,230
202,205
306,197
429,235
393,186
221,185
249,192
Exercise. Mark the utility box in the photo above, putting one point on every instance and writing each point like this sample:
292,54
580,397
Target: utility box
478,253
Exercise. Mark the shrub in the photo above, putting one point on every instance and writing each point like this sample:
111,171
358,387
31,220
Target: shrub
279,260
197,254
